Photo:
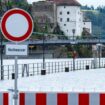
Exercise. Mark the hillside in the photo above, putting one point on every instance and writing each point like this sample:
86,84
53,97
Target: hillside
97,16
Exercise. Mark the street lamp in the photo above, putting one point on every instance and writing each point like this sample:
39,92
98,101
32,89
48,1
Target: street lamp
43,52
43,48
74,52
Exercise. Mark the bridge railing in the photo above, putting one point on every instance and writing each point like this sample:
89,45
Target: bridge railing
32,69
60,39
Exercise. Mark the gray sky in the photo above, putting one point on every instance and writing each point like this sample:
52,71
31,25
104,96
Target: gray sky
84,2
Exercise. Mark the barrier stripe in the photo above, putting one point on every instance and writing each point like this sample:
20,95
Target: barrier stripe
51,99
27,99
94,99
62,99
1,98
22,99
41,99
30,99
56,99
5,99
73,99
102,99
84,99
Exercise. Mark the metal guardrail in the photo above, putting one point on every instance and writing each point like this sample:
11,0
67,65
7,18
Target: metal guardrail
62,40
32,69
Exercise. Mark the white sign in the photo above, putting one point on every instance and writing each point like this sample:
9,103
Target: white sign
16,50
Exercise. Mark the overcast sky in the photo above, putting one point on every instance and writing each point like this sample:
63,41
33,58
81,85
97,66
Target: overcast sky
84,2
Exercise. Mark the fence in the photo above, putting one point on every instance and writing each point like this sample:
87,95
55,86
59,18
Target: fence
32,69
32,98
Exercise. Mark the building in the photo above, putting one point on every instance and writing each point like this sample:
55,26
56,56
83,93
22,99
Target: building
43,12
67,13
87,24
69,17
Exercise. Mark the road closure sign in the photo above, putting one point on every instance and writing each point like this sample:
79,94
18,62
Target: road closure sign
16,25
16,50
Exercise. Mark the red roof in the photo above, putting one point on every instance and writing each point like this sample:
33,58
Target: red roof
67,2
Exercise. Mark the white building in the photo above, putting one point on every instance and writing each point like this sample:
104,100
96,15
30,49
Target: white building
70,18
87,24
67,13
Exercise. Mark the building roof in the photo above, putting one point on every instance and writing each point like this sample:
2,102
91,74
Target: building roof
66,2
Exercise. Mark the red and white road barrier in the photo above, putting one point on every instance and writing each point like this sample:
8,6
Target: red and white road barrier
61,99
4,99
56,99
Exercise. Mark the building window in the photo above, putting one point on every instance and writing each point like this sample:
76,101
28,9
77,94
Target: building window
64,24
68,12
60,13
60,19
68,19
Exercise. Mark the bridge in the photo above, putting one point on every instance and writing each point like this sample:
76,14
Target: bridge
54,39
66,42
62,42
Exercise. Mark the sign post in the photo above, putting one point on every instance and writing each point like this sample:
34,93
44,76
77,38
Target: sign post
16,77
16,26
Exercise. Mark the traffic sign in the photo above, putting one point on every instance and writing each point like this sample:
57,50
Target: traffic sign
16,25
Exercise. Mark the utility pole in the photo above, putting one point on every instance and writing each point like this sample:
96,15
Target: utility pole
1,46
2,72
73,55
